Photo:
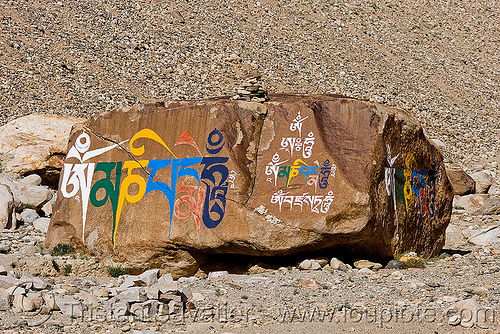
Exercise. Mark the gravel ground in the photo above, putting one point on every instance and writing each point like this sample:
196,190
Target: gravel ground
438,60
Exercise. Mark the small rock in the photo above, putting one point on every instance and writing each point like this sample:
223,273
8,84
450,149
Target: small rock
367,264
42,224
486,236
256,269
462,183
29,250
150,277
125,328
322,261
131,281
337,264
448,299
89,299
178,16
470,203
70,307
492,207
24,303
101,293
29,216
483,181
395,264
144,310
134,294
397,275
32,180
309,265
198,297
165,279
310,283
5,246
366,271
214,274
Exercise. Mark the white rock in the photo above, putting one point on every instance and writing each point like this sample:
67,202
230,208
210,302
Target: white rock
70,307
438,143
120,310
32,180
489,235
29,250
214,274
470,312
365,271
150,277
29,216
198,297
483,181
48,207
309,265
7,281
166,279
7,212
131,281
15,290
35,196
337,264
24,303
470,202
36,283
42,224
134,294
35,142
146,309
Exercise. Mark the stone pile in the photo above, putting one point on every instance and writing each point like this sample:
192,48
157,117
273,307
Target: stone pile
25,201
146,295
251,90
478,193
26,293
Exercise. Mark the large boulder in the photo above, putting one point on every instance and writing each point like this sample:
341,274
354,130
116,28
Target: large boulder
36,143
297,173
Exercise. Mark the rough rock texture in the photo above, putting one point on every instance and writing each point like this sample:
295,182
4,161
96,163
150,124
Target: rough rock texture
7,212
26,193
483,181
461,182
297,173
36,143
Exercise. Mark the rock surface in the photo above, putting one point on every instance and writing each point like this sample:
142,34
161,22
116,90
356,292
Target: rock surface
26,194
7,212
462,183
360,176
36,143
483,181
